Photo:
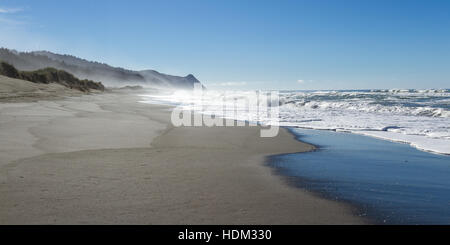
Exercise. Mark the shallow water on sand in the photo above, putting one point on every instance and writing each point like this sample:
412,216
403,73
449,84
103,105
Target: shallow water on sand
390,182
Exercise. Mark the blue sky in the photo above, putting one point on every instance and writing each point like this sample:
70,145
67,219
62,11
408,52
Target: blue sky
247,44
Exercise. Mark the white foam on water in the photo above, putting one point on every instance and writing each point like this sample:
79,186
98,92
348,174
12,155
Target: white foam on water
417,117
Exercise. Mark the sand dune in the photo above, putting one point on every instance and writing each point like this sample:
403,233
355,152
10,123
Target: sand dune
16,90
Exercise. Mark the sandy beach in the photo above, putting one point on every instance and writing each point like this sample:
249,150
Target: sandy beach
108,159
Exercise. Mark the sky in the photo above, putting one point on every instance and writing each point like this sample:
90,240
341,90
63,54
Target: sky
247,44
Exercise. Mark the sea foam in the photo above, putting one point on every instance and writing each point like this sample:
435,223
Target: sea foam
417,117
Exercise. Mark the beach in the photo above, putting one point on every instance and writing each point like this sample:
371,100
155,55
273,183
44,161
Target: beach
391,183
109,159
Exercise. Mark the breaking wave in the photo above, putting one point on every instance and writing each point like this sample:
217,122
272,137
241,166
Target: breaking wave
418,117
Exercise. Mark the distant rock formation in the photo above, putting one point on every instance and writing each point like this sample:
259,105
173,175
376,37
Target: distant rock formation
108,75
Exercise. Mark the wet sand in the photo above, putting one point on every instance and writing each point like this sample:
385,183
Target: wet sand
107,159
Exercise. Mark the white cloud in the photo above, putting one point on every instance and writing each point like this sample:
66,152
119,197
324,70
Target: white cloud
10,10
230,84
15,34
7,17
304,81
10,21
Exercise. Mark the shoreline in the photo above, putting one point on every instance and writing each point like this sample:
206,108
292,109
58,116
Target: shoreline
141,170
299,182
375,137
390,188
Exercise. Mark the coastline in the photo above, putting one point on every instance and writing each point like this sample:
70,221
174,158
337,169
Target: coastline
64,166
301,183
390,188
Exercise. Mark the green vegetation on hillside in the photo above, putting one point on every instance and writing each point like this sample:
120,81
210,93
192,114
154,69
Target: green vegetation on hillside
8,70
50,75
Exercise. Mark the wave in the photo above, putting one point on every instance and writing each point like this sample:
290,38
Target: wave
417,117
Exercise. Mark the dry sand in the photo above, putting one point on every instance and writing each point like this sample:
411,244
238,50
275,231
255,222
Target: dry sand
107,159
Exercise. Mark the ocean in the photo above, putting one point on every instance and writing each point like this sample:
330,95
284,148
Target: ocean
417,117
357,160
389,183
